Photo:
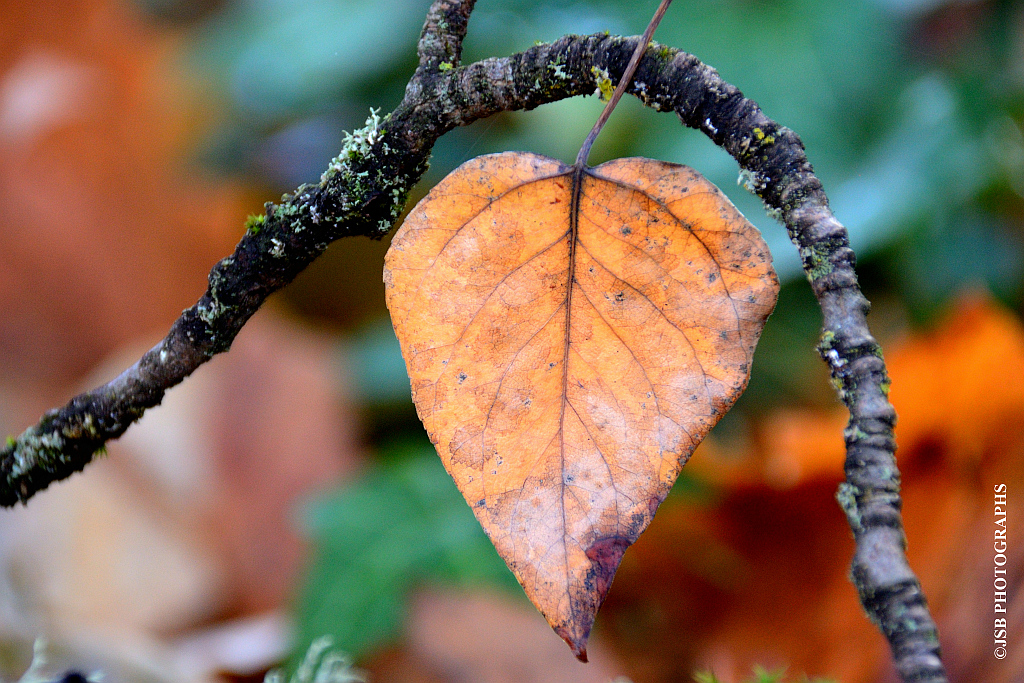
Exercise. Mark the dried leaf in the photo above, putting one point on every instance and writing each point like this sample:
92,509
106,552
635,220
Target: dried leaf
571,336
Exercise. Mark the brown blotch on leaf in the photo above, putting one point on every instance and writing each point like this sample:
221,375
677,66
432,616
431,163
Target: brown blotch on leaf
605,555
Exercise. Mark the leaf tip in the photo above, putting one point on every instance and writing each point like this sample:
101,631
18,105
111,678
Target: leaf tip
578,644
604,555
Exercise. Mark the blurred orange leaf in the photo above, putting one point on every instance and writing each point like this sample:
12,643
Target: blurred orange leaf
713,575
571,335
961,383
957,386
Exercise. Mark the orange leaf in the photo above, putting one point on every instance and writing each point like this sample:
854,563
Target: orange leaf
571,336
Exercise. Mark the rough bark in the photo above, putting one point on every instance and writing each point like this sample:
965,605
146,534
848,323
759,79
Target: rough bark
365,188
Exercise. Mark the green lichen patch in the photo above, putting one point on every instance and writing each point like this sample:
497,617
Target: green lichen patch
752,181
254,223
210,311
559,72
33,450
763,138
276,247
80,428
356,145
846,496
854,433
603,81
827,342
775,214
844,384
830,354
816,260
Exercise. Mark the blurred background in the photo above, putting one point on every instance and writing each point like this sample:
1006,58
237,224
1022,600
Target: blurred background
287,491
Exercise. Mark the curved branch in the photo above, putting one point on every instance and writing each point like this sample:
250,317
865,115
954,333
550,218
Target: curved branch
365,188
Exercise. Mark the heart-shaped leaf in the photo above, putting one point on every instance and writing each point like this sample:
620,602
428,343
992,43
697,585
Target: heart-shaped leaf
571,335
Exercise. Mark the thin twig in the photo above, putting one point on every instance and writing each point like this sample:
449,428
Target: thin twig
624,81
443,32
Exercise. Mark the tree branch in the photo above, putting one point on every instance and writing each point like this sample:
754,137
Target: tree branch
365,188
442,35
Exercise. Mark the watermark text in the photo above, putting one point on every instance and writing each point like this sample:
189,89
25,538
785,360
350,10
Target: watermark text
999,584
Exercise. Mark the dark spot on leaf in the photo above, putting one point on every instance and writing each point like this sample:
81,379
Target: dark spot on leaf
626,230
462,377
652,505
605,555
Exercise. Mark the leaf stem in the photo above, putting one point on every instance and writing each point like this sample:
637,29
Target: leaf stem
627,77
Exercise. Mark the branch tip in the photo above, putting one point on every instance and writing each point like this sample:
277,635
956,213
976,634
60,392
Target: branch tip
440,44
